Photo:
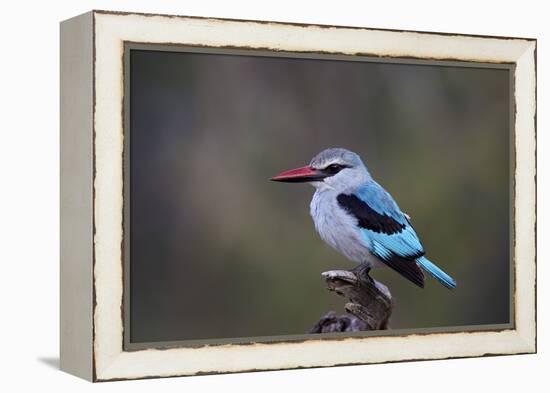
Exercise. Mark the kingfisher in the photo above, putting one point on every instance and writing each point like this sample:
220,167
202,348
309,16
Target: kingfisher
358,218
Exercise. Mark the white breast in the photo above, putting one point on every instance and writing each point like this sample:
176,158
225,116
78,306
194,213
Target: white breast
339,229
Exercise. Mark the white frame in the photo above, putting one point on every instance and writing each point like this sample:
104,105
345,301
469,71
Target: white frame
93,349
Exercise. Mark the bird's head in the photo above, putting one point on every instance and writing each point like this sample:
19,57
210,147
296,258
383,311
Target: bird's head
336,168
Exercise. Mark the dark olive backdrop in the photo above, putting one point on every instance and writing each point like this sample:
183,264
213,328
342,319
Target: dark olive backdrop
218,251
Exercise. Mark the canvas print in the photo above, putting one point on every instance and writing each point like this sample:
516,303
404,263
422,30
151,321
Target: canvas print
280,197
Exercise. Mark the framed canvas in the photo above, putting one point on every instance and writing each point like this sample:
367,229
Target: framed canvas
185,252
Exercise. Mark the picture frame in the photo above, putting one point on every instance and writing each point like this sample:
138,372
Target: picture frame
94,191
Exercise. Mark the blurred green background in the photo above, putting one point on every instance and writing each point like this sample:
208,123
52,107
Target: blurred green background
219,251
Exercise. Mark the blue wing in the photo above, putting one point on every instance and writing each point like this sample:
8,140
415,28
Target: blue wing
388,233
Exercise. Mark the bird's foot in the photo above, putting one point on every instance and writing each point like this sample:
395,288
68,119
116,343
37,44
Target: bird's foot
362,272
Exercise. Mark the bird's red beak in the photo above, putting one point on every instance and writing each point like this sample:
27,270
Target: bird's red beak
300,175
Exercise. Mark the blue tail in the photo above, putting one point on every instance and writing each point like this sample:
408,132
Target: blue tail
437,273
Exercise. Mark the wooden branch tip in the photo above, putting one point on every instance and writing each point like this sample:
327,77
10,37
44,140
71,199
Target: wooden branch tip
370,302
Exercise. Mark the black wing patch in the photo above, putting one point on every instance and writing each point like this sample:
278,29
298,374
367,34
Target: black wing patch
367,217
408,268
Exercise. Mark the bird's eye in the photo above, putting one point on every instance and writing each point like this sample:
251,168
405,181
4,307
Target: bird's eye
334,168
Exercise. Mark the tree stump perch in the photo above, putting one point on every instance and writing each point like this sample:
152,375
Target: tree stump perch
370,303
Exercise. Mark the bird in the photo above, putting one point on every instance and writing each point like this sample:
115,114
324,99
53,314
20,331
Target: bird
357,217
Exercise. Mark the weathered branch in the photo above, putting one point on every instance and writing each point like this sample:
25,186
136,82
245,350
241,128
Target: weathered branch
370,303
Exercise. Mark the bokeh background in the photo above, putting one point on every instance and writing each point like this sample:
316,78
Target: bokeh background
219,251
